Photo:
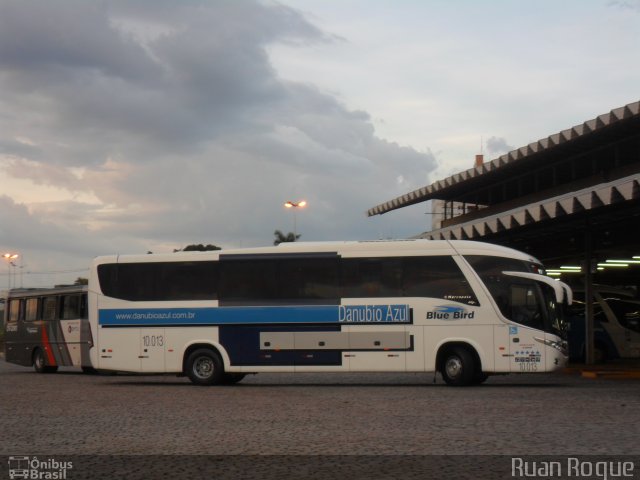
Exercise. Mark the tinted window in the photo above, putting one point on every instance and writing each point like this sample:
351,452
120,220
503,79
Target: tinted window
159,281
436,277
523,306
49,308
71,307
31,310
371,277
308,278
518,299
248,280
260,280
14,310
433,277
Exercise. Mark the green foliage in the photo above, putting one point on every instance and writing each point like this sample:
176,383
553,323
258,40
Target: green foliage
281,237
197,248
81,281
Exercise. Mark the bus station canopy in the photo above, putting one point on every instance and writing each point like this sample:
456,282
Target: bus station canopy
552,197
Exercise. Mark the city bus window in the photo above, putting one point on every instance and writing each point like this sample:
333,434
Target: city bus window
436,277
31,311
248,281
14,310
159,280
70,307
49,308
525,307
308,279
371,277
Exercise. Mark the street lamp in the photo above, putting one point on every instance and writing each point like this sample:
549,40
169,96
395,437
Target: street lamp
9,257
295,206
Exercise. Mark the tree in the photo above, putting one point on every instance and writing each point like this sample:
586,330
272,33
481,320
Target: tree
81,281
281,237
197,248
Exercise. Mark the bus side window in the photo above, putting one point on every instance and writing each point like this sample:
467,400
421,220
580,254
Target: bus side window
15,310
31,310
437,277
49,308
70,307
525,308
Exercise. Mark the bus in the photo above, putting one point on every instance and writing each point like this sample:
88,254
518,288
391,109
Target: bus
616,334
464,309
48,328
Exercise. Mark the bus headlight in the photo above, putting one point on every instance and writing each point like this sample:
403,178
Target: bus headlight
559,345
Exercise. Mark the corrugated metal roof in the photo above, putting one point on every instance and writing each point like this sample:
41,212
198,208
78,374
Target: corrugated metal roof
601,195
431,191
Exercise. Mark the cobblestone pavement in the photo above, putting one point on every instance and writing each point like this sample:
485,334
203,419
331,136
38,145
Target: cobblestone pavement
70,413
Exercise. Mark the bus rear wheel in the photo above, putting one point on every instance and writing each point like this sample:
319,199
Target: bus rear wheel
232,378
40,363
204,367
458,368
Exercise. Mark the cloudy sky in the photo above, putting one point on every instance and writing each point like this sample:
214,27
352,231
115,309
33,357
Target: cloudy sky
128,126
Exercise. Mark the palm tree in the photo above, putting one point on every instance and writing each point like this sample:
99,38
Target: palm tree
281,237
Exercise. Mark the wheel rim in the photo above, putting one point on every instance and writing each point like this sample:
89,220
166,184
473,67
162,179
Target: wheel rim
39,360
453,367
203,367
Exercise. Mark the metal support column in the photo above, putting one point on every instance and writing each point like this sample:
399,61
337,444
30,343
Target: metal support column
588,293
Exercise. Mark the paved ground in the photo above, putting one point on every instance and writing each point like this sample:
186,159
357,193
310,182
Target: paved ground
69,413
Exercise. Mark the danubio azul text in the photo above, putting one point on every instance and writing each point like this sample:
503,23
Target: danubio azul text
374,314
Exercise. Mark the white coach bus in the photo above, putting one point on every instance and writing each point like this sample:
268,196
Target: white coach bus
464,309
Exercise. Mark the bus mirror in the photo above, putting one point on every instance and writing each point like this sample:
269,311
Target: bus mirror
568,293
557,287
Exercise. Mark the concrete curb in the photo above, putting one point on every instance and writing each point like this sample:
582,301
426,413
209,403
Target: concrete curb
621,374
614,371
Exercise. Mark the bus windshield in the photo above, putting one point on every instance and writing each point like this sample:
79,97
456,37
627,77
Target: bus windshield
522,300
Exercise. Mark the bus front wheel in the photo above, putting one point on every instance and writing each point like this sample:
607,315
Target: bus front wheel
204,367
458,368
40,363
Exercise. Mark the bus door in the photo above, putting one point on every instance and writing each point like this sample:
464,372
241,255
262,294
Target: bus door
16,348
516,344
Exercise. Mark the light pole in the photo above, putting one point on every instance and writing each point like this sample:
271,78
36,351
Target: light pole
9,257
295,206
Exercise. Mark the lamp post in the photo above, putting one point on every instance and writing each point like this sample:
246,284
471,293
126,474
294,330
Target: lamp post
295,206
9,257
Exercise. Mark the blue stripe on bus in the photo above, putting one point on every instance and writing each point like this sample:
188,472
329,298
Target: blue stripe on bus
343,314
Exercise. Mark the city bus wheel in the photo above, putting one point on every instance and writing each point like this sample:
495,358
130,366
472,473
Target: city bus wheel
204,367
479,377
232,378
40,364
458,367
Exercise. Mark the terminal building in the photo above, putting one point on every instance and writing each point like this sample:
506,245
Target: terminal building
571,199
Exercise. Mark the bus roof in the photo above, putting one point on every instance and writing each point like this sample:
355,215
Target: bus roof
344,248
37,292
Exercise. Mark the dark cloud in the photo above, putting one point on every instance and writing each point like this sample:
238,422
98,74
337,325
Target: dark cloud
171,116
